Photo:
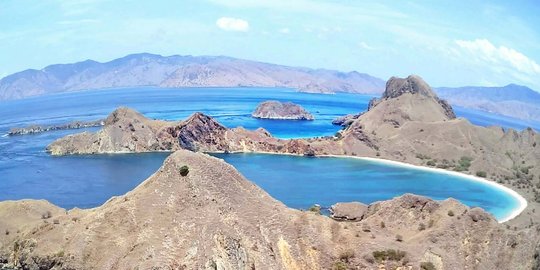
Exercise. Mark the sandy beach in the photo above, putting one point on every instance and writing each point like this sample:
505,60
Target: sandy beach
522,201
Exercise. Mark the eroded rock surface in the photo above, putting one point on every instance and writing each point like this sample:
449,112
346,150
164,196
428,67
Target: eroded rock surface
281,110
351,211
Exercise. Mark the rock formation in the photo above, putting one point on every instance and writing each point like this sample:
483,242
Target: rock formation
213,218
272,109
346,120
351,211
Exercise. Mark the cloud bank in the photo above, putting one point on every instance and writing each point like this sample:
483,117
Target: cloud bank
484,50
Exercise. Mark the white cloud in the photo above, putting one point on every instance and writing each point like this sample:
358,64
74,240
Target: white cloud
232,24
482,50
285,30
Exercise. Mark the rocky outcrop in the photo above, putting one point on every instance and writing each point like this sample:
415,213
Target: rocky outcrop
281,110
346,120
413,85
351,211
38,128
213,218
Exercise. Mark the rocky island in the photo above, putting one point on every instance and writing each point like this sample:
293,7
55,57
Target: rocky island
281,110
40,128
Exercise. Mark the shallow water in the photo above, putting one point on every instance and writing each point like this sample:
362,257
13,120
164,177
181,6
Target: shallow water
26,171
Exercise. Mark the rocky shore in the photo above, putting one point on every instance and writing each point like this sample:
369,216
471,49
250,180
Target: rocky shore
38,128
281,110
198,212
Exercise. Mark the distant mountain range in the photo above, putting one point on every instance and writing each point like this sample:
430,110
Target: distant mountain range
181,71
512,100
220,71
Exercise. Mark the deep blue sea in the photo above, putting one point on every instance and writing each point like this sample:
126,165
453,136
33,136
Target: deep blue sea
26,171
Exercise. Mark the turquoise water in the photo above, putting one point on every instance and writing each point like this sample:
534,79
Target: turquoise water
26,171
300,182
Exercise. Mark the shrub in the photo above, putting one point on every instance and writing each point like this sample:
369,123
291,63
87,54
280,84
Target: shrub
383,225
184,170
421,227
389,255
464,163
7,232
339,265
399,238
427,266
451,213
431,163
481,174
315,209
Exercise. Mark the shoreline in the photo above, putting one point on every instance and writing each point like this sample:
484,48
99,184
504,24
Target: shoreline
520,199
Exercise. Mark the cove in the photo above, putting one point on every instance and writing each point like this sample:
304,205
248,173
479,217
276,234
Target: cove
28,172
300,182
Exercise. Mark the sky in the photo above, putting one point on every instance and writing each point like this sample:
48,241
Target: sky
448,43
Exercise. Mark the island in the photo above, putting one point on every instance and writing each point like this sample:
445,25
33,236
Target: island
44,128
273,109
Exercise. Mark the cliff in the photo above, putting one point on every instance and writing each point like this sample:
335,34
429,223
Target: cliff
281,110
213,218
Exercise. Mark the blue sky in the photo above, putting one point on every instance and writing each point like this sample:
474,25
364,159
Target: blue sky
449,43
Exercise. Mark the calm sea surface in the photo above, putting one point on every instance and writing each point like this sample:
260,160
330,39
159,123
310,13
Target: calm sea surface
26,171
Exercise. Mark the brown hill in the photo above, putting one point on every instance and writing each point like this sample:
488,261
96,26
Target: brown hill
213,218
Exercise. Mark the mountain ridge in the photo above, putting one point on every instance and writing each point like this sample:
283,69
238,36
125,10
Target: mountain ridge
511,100
177,71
